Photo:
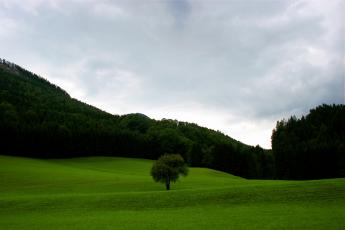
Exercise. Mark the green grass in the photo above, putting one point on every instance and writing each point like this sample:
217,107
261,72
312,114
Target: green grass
118,193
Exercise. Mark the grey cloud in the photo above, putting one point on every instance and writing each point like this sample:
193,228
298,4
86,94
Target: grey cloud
180,9
250,62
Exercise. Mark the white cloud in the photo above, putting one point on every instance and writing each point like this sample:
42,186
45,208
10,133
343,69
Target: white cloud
8,27
108,11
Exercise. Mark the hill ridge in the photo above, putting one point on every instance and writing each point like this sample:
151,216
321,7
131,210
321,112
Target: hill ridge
21,72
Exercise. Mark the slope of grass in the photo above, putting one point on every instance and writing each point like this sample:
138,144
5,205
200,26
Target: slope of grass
118,193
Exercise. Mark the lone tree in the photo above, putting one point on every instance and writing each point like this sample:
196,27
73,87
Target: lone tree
168,168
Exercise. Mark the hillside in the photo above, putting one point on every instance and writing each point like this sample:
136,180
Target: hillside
90,175
118,193
39,119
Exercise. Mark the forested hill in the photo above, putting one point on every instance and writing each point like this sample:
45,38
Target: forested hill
311,147
39,119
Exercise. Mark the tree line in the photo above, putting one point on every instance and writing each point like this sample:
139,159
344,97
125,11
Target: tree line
39,119
312,146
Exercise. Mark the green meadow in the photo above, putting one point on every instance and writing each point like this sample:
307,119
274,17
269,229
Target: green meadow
118,193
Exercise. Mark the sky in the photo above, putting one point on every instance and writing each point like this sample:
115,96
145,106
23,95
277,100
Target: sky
237,66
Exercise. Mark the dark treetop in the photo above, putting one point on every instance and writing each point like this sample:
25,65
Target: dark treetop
168,168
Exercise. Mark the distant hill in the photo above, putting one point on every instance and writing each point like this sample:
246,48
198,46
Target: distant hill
39,119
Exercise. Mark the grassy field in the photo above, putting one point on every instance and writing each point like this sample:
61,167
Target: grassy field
118,193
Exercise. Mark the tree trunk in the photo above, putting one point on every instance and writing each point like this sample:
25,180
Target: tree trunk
167,183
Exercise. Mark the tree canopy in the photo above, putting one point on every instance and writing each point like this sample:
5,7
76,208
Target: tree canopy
168,168
311,147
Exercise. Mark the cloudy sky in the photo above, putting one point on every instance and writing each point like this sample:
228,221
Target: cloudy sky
236,66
